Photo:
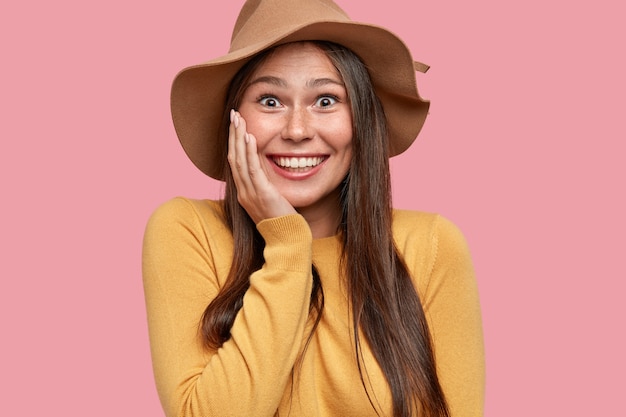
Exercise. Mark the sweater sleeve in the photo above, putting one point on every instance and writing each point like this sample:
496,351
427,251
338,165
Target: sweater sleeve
248,374
453,310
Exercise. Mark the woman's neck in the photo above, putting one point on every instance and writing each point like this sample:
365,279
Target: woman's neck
324,218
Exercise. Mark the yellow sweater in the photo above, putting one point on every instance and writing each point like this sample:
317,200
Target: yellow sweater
186,258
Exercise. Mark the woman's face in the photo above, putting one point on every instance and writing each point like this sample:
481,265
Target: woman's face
296,106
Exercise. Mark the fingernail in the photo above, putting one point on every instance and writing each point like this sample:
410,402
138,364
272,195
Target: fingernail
236,120
232,115
246,137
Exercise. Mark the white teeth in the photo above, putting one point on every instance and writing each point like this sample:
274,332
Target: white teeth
298,162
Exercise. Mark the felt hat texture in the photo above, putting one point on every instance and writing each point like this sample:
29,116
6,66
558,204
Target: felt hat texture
198,92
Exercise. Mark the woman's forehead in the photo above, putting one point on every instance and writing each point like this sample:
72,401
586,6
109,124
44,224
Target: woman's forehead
298,58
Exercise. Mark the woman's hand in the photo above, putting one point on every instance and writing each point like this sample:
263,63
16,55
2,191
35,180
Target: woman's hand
255,192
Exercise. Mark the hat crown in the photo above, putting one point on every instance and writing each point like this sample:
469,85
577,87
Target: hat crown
260,20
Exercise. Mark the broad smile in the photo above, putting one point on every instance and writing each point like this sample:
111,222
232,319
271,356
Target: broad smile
298,163
297,167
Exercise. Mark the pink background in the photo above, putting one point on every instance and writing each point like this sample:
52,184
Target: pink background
524,150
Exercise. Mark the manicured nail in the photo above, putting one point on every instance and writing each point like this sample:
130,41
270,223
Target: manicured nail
236,120
246,137
232,115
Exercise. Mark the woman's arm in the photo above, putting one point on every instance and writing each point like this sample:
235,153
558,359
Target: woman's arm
182,260
452,307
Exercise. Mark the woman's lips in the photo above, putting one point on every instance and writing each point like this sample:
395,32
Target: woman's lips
297,167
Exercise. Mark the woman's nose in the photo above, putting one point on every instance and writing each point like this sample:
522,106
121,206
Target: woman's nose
297,126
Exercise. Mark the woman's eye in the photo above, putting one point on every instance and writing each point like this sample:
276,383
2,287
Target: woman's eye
326,101
269,101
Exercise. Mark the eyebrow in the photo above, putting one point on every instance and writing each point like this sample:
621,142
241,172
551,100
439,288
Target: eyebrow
312,83
320,82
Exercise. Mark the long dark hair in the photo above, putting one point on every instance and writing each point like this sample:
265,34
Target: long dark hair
384,301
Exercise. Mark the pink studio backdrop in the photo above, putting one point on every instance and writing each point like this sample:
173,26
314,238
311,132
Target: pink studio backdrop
523,149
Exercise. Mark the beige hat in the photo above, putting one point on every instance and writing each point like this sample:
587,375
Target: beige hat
199,92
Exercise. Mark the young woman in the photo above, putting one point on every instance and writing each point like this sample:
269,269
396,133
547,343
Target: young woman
303,293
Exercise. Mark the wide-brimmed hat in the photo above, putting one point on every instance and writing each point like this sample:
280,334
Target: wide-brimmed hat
199,92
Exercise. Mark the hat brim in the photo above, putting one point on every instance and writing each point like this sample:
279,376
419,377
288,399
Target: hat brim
199,92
